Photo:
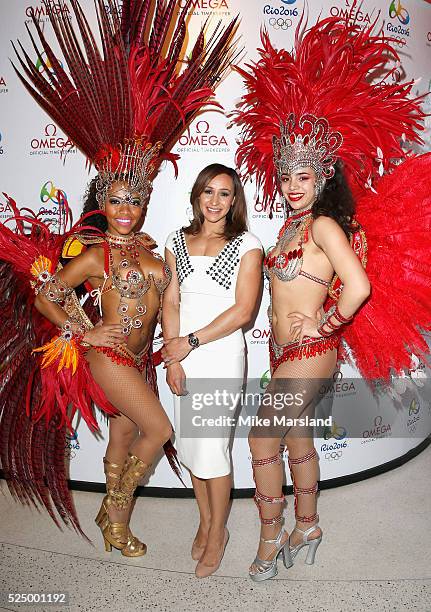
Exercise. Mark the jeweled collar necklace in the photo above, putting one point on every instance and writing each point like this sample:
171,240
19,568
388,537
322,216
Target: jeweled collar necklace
123,240
296,219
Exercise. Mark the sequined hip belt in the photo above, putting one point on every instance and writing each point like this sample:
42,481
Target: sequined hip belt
123,356
310,347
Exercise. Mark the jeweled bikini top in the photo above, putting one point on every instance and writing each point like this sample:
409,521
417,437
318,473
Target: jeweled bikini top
287,265
133,285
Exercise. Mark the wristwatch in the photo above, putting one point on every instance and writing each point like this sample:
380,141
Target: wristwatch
193,341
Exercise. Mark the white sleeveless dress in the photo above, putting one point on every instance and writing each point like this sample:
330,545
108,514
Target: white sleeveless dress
207,288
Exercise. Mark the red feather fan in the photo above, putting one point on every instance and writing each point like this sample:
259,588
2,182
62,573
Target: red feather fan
397,223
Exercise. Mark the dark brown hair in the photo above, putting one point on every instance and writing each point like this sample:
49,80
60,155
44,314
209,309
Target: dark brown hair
336,201
236,219
91,204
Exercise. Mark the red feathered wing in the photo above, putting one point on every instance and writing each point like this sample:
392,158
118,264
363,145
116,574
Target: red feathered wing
36,405
397,223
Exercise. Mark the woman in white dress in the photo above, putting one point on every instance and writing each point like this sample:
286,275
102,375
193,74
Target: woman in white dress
217,271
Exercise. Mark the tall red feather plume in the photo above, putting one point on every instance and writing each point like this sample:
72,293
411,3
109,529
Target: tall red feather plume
134,87
328,74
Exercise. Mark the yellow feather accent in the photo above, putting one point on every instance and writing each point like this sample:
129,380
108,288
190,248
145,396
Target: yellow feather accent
63,359
69,350
74,361
41,264
59,348
51,356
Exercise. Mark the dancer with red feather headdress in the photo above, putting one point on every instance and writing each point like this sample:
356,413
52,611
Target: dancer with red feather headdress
124,107
313,122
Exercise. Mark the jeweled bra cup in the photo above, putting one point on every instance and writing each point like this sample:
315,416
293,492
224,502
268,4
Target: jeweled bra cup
287,266
135,285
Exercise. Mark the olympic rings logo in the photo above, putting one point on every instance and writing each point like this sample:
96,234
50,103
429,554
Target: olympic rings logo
280,23
399,41
334,455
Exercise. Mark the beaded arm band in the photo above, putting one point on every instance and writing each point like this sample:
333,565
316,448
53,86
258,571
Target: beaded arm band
332,319
54,289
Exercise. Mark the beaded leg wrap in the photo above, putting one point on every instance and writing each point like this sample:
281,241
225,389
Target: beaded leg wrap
301,491
267,499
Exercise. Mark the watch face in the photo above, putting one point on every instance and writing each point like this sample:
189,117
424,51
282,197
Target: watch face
193,341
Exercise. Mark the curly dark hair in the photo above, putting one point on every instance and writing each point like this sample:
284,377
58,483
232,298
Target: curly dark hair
336,201
91,204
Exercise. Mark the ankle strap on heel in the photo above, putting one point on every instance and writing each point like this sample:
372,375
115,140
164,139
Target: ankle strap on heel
307,532
277,540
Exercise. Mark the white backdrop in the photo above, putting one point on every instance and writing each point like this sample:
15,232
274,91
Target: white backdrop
32,172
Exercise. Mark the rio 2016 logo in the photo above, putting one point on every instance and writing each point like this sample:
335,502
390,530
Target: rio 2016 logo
335,431
397,10
50,193
54,209
414,407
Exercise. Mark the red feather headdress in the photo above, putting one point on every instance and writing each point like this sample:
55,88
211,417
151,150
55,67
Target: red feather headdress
126,105
317,104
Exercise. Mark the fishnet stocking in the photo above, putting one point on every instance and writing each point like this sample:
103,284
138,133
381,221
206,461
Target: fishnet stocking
304,377
143,426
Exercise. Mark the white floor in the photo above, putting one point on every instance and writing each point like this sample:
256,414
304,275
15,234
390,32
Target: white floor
376,554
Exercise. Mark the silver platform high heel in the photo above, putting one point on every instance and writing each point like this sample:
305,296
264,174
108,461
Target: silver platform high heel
312,544
267,569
